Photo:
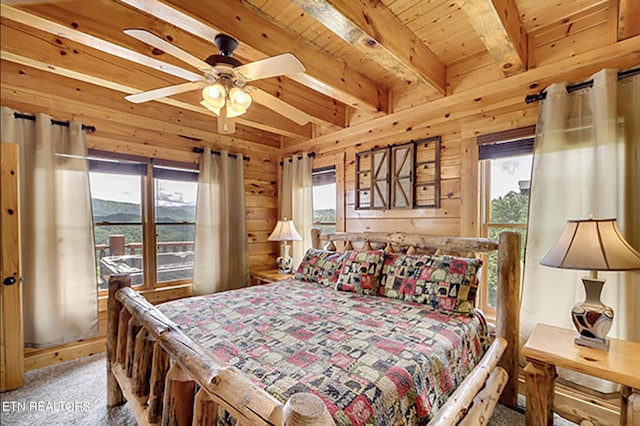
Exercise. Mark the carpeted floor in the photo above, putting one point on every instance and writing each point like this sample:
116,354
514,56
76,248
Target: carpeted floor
74,393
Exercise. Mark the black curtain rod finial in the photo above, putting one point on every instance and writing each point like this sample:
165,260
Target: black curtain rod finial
200,150
88,129
310,155
573,87
536,97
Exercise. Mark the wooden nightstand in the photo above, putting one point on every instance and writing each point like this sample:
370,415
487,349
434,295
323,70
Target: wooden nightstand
270,276
550,347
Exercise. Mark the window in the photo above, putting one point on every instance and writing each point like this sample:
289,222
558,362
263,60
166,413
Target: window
144,219
505,167
175,194
324,199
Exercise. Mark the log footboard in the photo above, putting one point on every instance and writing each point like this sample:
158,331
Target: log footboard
169,379
156,369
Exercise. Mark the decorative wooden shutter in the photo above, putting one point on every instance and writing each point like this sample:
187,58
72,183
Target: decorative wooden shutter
380,179
401,176
372,179
364,164
427,173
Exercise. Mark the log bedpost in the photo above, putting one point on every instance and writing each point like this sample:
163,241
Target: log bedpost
306,409
508,311
159,368
116,282
205,410
121,341
179,393
142,359
315,239
133,329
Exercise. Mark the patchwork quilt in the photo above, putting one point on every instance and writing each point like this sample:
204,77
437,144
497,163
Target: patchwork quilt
372,360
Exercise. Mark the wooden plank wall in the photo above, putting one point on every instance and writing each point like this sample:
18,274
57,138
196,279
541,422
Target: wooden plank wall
458,175
570,51
475,104
146,130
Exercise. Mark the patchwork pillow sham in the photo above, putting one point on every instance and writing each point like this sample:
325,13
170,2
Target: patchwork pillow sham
361,271
446,283
320,266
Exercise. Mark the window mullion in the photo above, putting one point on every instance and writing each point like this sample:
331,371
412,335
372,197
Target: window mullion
149,229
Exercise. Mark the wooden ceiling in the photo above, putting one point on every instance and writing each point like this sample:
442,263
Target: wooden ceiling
365,59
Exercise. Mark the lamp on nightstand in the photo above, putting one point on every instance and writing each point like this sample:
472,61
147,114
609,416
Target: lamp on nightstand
593,245
284,231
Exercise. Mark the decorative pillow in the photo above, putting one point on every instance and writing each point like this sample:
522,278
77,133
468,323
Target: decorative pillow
446,283
360,271
320,266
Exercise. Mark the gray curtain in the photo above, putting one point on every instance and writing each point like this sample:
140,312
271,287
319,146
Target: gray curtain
221,245
296,201
60,289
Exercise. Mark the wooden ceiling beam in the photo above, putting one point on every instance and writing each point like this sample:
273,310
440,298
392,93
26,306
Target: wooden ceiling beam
30,20
50,55
498,24
35,90
375,31
76,14
96,81
325,73
483,98
628,18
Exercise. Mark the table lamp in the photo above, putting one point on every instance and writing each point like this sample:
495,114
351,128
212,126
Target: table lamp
593,245
284,231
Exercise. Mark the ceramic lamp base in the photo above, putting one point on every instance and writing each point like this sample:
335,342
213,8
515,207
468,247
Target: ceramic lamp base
592,318
285,261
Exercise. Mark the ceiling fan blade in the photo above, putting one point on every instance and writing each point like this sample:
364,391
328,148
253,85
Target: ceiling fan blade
283,64
281,107
159,43
162,92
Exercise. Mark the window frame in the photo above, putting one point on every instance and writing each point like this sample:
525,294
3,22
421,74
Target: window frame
510,143
319,170
148,211
338,161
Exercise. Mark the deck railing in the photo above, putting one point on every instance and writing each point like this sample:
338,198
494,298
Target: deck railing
118,247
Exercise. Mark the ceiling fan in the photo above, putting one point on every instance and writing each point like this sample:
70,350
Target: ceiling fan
224,80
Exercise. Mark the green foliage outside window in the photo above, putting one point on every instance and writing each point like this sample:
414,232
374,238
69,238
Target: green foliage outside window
513,208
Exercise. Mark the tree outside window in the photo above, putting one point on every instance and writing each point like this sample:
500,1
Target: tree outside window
505,172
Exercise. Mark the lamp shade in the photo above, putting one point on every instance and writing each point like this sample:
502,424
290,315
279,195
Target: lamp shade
593,245
285,231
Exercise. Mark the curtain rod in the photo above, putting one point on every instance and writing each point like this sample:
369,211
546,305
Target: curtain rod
88,129
573,87
201,150
310,155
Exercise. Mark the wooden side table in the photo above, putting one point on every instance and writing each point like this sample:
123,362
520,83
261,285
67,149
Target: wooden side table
550,347
270,276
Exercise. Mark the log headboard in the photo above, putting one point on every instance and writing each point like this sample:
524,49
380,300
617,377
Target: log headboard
508,297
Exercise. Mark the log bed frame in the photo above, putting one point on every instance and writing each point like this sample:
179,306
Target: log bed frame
155,367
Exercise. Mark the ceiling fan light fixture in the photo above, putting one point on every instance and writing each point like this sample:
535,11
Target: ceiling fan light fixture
214,96
223,79
239,100
214,110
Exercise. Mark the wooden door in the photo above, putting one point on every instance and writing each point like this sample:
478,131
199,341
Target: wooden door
11,339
